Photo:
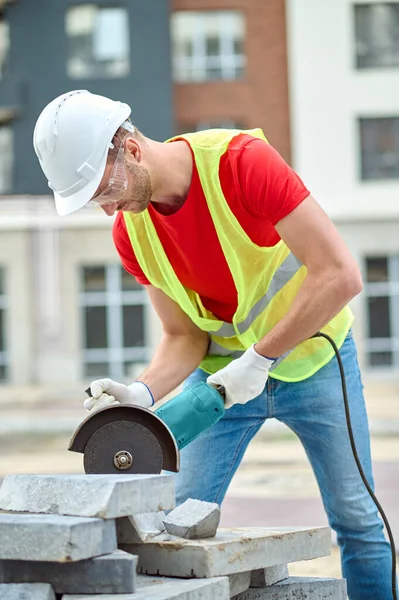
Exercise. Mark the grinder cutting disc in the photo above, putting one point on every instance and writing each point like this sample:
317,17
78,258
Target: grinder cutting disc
125,439
123,447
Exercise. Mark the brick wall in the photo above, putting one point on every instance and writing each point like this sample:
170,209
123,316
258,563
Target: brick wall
260,99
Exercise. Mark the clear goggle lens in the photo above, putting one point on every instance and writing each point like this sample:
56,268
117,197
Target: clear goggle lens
117,184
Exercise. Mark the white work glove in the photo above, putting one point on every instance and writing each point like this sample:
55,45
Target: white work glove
106,392
244,378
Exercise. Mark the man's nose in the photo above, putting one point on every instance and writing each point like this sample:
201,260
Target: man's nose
109,209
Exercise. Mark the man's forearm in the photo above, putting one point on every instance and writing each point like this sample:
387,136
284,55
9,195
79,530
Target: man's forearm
175,358
319,300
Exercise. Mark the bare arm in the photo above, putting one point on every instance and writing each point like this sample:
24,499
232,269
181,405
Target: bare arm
180,351
332,279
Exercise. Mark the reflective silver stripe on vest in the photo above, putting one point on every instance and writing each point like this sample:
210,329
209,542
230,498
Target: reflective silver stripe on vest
280,359
226,330
215,348
284,273
288,268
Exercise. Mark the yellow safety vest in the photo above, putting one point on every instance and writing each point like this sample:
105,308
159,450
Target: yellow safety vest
267,279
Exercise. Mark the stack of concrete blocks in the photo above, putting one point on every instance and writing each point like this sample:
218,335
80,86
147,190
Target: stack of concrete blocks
107,537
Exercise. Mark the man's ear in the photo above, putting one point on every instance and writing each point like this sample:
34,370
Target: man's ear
133,149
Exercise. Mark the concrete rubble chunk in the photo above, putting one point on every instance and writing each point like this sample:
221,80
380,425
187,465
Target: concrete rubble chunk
231,551
104,496
54,538
110,574
264,577
139,528
239,582
193,520
299,588
159,588
26,591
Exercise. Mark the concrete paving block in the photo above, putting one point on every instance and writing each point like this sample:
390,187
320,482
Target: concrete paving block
54,538
231,551
239,582
139,528
160,588
299,588
105,496
110,574
264,577
193,520
26,591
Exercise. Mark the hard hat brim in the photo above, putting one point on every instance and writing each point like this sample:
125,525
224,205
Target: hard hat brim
66,206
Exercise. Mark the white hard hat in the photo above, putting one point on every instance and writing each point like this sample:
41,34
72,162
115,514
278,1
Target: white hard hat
72,137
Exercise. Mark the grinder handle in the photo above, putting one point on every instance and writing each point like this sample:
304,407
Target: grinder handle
88,392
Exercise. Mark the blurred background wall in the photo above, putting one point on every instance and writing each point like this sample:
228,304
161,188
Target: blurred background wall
321,79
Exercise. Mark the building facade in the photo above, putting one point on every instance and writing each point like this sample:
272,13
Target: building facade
68,311
230,66
344,90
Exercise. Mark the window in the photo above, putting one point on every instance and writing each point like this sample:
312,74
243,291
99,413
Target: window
3,350
382,292
377,35
6,158
113,307
379,139
208,45
4,45
209,124
98,41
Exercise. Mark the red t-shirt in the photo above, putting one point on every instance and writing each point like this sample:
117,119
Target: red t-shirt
260,189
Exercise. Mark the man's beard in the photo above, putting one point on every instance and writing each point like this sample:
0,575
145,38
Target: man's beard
142,188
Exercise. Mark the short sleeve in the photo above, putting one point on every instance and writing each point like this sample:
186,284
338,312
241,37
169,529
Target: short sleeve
125,250
270,187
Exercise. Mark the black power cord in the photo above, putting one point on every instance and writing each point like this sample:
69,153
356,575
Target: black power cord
358,463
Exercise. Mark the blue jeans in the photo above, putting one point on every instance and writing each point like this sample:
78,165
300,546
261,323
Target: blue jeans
314,410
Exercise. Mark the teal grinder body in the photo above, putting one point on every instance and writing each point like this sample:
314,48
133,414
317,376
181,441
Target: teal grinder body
192,411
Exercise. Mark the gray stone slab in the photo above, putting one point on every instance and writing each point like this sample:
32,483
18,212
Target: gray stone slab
159,588
139,528
231,551
26,591
105,496
299,588
54,538
193,520
239,582
264,577
110,574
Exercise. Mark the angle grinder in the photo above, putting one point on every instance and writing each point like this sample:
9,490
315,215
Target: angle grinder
125,438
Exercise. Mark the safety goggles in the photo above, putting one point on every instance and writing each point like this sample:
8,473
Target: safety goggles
112,192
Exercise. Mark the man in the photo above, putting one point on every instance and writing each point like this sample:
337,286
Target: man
243,267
